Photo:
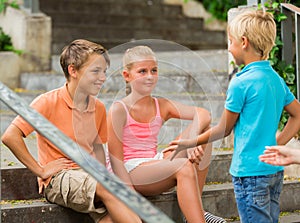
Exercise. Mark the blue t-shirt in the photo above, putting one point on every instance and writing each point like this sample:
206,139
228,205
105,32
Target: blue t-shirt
259,95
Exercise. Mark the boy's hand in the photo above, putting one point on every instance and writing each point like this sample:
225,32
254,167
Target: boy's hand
180,145
55,166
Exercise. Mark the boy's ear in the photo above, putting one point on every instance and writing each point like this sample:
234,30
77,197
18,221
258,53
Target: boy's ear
72,71
245,42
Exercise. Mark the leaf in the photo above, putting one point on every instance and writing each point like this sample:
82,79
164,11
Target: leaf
11,163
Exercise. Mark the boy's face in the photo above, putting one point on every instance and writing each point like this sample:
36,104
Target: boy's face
235,47
92,75
143,75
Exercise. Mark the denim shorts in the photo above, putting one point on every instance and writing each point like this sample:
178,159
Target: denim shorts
257,197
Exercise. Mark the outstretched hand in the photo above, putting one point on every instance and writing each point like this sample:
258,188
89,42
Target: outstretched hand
277,155
180,145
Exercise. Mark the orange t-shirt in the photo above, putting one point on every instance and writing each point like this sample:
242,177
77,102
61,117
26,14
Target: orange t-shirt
85,128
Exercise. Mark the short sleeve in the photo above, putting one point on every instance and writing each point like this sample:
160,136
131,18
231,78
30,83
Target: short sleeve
235,96
38,104
289,96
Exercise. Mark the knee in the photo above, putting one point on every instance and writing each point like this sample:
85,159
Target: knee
103,194
187,171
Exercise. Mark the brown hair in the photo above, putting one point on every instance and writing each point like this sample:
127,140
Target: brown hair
77,53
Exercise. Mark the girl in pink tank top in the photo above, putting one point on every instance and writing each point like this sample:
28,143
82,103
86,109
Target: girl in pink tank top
133,128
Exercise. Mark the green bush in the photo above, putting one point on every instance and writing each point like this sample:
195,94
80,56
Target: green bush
219,8
5,3
6,44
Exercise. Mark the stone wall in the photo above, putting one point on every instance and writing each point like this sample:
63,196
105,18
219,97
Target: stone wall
30,33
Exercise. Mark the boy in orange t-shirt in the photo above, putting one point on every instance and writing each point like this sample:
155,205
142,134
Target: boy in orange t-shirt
74,110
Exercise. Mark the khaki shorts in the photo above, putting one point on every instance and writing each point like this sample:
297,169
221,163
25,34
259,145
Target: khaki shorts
75,189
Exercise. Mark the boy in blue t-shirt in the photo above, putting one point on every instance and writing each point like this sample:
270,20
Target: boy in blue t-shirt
254,104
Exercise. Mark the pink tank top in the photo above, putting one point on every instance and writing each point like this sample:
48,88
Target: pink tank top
140,139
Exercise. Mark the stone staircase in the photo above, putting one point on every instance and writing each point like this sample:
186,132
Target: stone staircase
192,77
114,22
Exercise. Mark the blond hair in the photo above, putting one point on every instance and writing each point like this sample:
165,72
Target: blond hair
135,54
77,53
258,27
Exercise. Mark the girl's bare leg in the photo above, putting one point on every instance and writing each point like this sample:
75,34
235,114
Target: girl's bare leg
202,168
155,177
118,212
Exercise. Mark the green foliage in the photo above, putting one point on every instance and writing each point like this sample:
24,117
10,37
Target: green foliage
6,44
219,8
286,71
5,3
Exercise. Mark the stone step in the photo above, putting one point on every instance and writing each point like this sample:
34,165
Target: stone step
142,21
218,199
12,170
199,39
39,211
124,7
218,192
113,23
191,72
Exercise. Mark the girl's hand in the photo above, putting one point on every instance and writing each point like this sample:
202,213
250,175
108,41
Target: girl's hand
55,166
196,154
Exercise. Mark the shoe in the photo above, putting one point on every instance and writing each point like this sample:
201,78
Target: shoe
210,218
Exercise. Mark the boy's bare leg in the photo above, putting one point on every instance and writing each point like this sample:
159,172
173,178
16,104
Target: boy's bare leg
106,219
118,211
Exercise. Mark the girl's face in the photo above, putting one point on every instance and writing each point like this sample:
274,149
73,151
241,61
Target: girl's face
92,74
236,49
143,75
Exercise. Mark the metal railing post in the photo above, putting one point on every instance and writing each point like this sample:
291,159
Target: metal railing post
287,38
32,6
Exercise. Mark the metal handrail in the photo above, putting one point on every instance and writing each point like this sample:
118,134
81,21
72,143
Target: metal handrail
287,38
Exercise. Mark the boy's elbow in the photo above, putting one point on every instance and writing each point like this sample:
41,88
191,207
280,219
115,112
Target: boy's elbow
227,132
6,138
10,134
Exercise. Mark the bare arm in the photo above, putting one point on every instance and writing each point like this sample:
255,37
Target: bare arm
115,122
13,139
200,118
222,129
100,154
293,124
